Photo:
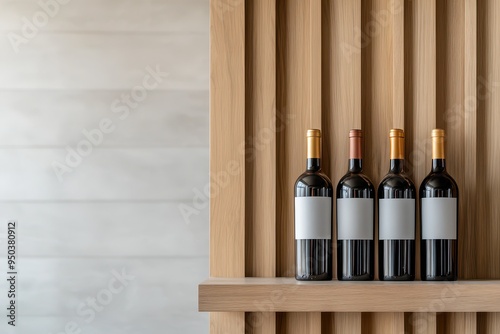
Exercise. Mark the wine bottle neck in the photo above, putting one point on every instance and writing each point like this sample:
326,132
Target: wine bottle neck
438,165
313,164
397,166
313,150
355,165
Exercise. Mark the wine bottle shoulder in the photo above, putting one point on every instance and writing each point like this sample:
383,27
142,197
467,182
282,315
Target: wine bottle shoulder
313,179
355,182
399,184
438,183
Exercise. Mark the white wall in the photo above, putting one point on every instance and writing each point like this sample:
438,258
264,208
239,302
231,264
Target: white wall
118,209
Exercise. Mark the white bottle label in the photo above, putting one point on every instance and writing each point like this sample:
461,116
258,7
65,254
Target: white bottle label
355,218
313,217
396,219
439,218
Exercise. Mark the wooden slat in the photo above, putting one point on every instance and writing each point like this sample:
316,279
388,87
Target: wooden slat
315,62
341,83
303,322
383,323
227,131
398,68
421,118
377,87
261,152
289,295
420,322
341,99
382,105
298,75
460,323
488,323
488,154
423,111
467,230
347,323
341,322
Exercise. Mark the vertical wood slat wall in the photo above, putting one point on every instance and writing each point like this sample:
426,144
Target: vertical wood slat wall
279,67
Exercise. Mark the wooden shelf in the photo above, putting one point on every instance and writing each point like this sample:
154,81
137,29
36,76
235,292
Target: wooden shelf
289,295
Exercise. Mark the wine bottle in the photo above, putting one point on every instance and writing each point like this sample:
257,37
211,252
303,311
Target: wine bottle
439,218
355,218
313,217
396,217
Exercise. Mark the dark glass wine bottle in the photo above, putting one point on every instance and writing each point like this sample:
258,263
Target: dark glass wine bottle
439,218
355,218
313,217
396,217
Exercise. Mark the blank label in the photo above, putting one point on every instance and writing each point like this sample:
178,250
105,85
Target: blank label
355,218
439,218
396,219
313,217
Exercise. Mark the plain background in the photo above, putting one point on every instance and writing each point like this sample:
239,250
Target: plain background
118,209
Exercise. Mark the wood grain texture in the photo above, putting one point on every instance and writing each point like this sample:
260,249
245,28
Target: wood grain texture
421,117
382,89
382,323
315,63
460,323
227,134
298,83
468,266
422,114
398,69
341,106
346,322
420,322
488,155
410,64
303,322
289,295
260,170
488,323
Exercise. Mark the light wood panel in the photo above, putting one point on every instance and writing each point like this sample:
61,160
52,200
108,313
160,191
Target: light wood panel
384,64
125,229
381,323
236,294
227,126
420,322
341,110
261,152
421,116
467,229
110,173
112,16
163,119
303,322
339,323
382,106
488,155
298,90
80,278
68,61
